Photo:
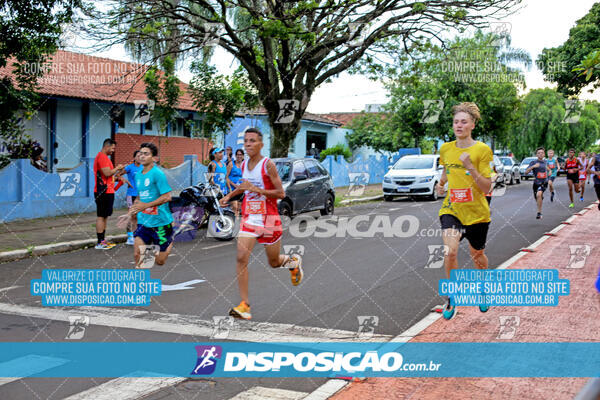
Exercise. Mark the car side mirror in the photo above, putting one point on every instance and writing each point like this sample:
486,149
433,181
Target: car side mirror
301,177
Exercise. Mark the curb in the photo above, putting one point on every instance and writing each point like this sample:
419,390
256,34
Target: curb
350,201
62,247
333,386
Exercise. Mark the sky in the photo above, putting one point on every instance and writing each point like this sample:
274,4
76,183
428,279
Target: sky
537,25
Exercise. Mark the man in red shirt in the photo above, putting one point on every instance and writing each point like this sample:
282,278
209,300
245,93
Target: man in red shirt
104,190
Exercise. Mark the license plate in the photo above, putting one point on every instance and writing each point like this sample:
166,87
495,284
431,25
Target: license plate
403,189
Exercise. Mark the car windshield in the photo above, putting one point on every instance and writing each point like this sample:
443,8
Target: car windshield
506,161
284,169
528,160
414,163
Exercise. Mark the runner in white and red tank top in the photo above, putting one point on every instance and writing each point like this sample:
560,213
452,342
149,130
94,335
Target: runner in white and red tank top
261,223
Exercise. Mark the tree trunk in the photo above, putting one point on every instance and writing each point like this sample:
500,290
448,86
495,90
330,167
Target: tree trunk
282,134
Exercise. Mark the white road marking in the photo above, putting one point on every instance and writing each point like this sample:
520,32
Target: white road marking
126,388
190,324
181,286
217,245
6,289
28,365
327,389
335,385
259,392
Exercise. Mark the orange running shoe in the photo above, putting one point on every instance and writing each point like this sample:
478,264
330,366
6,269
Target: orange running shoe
296,272
242,311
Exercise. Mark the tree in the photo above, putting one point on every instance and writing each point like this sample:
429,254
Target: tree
543,120
30,31
372,130
424,86
219,97
289,48
562,64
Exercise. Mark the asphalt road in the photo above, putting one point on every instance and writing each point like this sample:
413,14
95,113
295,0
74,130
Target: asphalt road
345,277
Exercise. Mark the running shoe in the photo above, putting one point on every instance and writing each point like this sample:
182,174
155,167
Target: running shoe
104,245
130,240
538,216
581,199
551,196
242,311
296,272
484,307
571,205
449,310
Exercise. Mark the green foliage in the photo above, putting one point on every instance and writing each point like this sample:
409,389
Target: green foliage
162,86
579,52
30,32
430,74
541,122
289,48
337,150
220,97
19,147
589,65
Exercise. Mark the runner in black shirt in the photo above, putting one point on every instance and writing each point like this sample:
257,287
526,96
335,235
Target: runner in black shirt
540,178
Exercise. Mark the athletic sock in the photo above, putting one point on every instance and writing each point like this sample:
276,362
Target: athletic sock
100,236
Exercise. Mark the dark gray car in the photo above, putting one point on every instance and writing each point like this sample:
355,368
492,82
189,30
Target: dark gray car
307,186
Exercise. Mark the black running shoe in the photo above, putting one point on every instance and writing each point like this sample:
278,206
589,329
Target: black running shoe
538,216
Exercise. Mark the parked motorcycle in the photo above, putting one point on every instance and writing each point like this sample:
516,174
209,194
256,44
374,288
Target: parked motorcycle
221,221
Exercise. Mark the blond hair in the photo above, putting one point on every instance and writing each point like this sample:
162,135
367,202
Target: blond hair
469,108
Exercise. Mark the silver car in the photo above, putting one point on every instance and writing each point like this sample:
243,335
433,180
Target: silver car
513,167
503,175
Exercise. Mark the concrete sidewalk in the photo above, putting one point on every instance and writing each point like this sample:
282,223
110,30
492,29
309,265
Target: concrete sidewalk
40,236
575,319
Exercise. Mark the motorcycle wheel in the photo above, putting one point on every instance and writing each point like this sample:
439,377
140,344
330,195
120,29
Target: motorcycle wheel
223,228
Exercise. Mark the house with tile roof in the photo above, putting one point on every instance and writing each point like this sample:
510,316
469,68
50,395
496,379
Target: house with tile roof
86,99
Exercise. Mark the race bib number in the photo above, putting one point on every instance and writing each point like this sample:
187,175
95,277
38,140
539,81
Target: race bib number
582,175
461,195
541,175
151,210
255,207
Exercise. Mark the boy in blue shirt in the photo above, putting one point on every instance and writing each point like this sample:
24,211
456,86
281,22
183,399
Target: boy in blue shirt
152,207
132,193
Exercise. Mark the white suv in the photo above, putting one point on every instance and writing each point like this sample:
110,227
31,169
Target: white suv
413,175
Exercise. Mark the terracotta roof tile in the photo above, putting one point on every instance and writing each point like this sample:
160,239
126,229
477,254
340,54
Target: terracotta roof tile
343,118
83,76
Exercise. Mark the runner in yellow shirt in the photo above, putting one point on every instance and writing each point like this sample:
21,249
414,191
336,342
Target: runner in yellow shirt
465,211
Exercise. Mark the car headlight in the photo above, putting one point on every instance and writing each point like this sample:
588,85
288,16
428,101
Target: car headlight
426,178
387,179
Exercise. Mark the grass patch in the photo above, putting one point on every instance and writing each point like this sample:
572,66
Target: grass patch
343,193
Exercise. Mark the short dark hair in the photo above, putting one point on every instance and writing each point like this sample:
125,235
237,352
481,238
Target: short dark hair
150,146
254,130
239,151
571,150
108,142
135,153
539,148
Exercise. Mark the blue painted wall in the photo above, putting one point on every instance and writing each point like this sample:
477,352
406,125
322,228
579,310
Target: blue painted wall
30,193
